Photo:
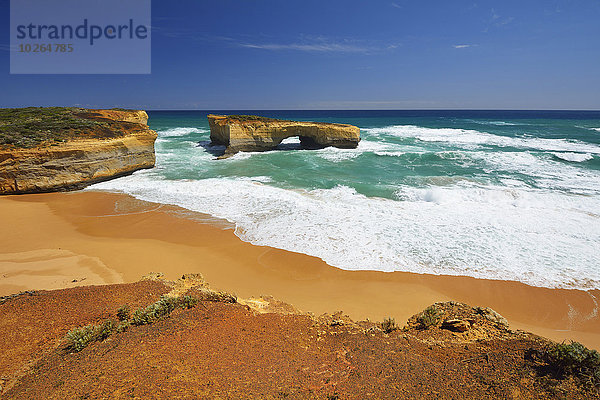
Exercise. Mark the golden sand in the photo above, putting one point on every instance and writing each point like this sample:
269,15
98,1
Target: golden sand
59,240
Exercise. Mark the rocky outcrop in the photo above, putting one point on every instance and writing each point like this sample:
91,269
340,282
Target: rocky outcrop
458,322
108,144
251,133
134,116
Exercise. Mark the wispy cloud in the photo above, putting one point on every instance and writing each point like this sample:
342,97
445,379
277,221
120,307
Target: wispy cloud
396,5
320,44
462,46
495,15
505,21
498,20
302,43
309,47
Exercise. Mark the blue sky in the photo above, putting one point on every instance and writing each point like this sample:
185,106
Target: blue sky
352,54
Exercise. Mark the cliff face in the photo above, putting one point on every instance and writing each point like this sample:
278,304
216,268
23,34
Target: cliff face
108,144
249,133
133,116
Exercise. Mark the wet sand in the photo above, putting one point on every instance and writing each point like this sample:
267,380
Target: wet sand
60,240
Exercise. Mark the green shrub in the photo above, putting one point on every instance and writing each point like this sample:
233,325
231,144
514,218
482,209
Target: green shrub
187,302
123,313
218,297
573,359
429,317
161,309
153,312
32,126
388,325
251,118
79,338
123,326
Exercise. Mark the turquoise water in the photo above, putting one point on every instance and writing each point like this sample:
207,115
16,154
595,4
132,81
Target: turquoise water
489,194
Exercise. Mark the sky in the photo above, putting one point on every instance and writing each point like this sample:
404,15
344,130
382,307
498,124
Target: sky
344,54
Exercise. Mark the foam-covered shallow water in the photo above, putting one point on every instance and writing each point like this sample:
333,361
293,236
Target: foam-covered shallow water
503,195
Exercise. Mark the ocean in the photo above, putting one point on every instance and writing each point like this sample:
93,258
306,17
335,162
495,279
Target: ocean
510,195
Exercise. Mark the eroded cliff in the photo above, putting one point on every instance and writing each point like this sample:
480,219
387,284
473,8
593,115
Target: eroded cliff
54,149
251,133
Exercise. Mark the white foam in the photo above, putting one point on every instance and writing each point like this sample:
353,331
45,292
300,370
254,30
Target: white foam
336,155
242,155
546,173
500,123
471,139
291,140
538,237
181,131
497,123
386,149
574,157
509,182
368,146
261,178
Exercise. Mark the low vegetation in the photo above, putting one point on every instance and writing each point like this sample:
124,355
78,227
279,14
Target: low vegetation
80,338
429,317
32,126
388,325
573,359
211,295
161,309
123,313
251,118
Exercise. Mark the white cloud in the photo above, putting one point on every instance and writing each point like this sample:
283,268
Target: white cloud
304,43
498,20
310,47
505,21
321,44
462,46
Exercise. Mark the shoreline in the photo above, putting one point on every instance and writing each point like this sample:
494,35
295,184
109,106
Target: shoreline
71,239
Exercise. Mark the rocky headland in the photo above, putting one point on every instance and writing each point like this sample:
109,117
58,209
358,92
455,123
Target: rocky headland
252,133
59,148
182,339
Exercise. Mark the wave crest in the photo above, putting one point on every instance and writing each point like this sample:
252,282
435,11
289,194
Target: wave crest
471,138
180,131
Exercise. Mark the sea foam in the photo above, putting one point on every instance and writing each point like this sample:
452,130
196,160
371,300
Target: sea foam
574,157
182,131
472,138
537,237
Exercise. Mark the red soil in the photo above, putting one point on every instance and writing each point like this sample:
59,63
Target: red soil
224,350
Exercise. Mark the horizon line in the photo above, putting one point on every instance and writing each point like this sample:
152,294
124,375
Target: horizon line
374,109
308,109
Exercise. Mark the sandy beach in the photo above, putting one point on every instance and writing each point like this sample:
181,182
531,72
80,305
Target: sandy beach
60,240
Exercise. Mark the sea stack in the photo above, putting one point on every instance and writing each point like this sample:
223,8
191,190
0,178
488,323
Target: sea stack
59,148
253,133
